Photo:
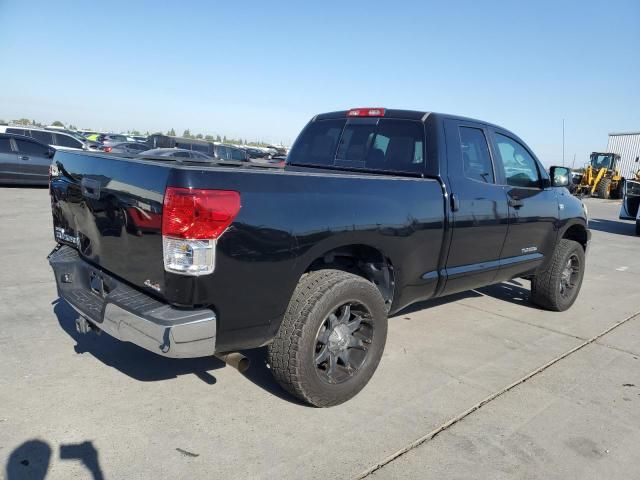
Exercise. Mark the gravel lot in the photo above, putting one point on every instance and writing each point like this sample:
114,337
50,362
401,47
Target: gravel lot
76,406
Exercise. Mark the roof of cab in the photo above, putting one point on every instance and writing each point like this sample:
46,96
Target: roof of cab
405,114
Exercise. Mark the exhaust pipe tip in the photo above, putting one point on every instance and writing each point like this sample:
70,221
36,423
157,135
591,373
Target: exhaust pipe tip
235,360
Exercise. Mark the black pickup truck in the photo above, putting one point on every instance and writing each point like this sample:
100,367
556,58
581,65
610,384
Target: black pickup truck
375,210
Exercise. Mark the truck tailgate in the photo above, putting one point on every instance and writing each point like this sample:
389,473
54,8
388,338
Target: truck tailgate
110,210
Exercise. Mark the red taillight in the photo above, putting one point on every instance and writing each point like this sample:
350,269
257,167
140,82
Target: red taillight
197,213
107,149
366,112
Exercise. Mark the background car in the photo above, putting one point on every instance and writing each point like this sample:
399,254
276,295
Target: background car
131,148
58,140
228,152
176,153
256,153
110,139
24,160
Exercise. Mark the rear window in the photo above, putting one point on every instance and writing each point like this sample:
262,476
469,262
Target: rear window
67,141
367,143
237,154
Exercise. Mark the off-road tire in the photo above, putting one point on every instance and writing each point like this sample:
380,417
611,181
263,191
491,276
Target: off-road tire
545,286
604,188
291,356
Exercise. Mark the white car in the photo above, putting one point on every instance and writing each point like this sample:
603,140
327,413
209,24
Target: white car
631,202
58,140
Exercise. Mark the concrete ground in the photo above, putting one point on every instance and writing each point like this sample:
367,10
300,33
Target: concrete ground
448,401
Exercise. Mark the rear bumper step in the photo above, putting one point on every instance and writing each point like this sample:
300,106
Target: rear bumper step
128,314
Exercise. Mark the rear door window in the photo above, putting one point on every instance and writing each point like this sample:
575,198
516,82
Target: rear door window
5,145
17,131
367,143
44,137
31,148
476,160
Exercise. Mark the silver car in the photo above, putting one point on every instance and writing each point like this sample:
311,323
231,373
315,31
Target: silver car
24,161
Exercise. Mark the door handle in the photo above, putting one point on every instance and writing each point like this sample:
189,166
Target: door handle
516,203
24,157
455,204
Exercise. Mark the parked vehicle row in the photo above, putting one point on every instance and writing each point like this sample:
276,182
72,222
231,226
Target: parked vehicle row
58,140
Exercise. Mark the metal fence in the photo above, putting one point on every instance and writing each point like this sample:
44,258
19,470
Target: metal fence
627,145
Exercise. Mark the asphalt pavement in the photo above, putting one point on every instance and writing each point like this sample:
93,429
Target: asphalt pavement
478,385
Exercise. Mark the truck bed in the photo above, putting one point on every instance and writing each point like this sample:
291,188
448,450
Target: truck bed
110,210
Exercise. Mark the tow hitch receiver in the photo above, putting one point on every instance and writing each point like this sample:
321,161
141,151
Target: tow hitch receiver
84,326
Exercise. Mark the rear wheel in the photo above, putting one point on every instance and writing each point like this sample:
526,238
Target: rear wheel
331,339
603,189
557,287
617,192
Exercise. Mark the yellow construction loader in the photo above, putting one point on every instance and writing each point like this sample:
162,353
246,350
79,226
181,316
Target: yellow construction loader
601,177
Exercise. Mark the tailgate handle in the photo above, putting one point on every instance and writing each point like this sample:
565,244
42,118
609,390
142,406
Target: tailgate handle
90,188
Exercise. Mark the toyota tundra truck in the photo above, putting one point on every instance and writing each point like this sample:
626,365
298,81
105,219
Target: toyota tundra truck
376,209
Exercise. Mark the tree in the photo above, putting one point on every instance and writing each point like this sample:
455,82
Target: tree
22,121
72,127
135,132
171,133
209,138
57,123
3,122
224,139
186,133
199,136
218,139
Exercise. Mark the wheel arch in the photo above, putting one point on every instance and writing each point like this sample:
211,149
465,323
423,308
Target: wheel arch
360,259
577,232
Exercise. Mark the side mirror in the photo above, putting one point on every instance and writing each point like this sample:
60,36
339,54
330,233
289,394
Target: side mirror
50,152
560,176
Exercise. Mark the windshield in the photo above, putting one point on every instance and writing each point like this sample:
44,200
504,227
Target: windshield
369,143
600,160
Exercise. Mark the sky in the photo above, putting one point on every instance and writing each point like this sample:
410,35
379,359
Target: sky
260,70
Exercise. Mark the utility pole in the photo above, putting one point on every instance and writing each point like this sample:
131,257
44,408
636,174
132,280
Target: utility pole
563,142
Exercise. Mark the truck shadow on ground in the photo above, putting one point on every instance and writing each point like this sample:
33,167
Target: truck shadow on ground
31,459
513,291
130,359
145,366
612,226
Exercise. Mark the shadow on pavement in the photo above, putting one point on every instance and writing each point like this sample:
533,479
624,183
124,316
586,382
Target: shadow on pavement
612,226
145,366
512,291
31,459
416,307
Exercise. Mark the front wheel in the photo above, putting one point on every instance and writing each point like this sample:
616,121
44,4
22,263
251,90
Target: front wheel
558,286
331,339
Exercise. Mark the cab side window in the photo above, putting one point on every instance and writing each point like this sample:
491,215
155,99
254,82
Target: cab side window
520,169
476,160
